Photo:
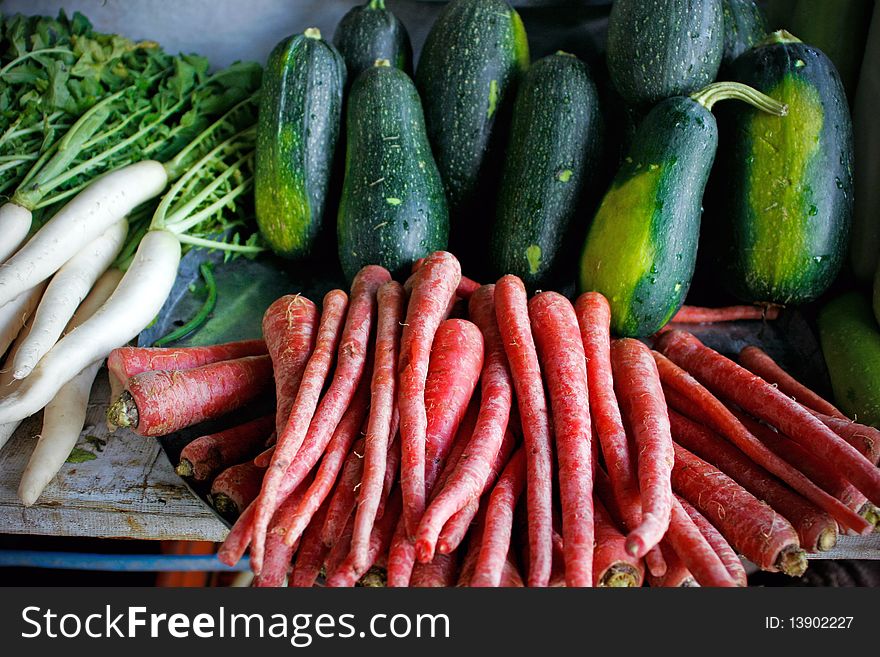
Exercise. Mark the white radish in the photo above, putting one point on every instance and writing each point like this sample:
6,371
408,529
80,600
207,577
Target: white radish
8,384
64,293
65,416
100,205
14,315
134,304
6,431
15,222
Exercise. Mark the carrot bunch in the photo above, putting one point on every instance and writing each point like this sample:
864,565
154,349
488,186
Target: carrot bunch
446,433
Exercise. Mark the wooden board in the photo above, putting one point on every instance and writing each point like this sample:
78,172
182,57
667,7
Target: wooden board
129,490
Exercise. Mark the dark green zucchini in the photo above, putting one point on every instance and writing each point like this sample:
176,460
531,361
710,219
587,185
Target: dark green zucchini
297,130
663,48
641,248
369,32
787,192
554,143
392,209
744,26
467,69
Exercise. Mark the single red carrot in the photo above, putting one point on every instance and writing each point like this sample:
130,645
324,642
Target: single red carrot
235,488
348,573
765,402
499,522
310,554
561,354
475,539
705,408
640,395
401,557
276,562
819,471
816,529
161,402
347,432
456,528
613,566
289,326
341,547
864,438
344,497
124,362
301,415
207,455
722,548
676,575
752,527
433,290
760,363
693,548
441,571
392,470
594,319
264,458
466,286
699,315
511,308
473,471
383,392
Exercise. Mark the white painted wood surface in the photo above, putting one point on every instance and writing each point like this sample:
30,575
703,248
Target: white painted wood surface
129,490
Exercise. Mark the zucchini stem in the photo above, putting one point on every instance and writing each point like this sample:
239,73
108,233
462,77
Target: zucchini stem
376,4
711,94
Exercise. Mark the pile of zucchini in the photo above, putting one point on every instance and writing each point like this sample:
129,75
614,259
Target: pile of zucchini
479,150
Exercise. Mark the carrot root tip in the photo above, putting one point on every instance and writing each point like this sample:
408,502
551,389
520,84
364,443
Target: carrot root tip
827,540
184,468
620,575
792,561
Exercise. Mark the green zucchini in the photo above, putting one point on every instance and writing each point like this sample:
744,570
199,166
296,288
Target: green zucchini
787,195
850,341
744,26
641,247
663,48
392,210
369,32
297,130
553,147
468,67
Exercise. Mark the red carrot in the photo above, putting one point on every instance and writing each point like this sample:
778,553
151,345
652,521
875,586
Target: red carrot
401,557
124,362
475,539
640,395
511,307
864,438
594,319
818,470
472,474
347,432
753,528
162,402
433,289
693,548
235,488
440,572
310,555
344,497
289,326
466,286
816,530
698,315
382,399
499,522
758,362
705,408
676,575
264,458
722,548
341,546
765,402
613,566
392,470
278,555
205,456
561,353
456,528
301,415
347,574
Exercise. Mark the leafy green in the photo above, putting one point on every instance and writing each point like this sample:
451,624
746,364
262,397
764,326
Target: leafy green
80,455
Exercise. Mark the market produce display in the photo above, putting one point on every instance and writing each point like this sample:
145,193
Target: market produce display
407,425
